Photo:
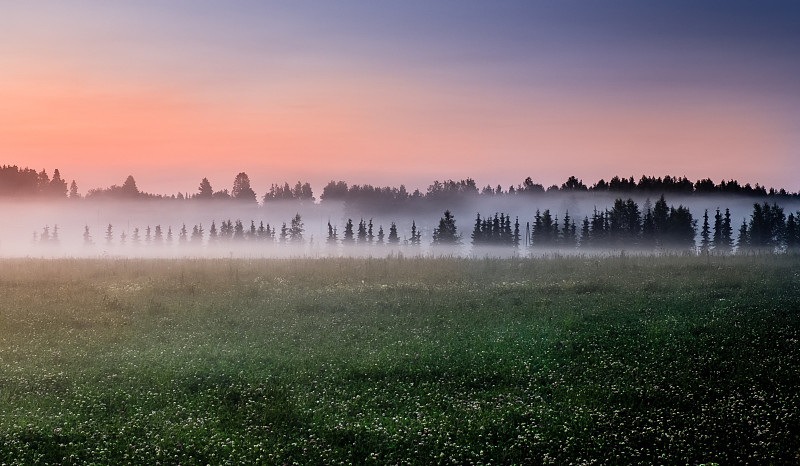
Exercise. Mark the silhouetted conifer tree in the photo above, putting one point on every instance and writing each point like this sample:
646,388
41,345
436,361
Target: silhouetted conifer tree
212,233
705,235
585,239
362,231
680,231
296,231
660,218
205,191
348,232
109,234
183,235
73,191
446,233
264,233
238,231
477,231
197,234
743,242
537,237
415,235
508,235
57,187
568,232
716,239
393,238
284,233
727,232
767,226
331,234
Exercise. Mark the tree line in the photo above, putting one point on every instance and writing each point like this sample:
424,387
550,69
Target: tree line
26,182
622,226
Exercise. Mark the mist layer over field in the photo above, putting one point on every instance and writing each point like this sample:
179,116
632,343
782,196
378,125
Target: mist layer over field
25,223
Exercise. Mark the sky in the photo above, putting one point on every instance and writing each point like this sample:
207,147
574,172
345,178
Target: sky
391,93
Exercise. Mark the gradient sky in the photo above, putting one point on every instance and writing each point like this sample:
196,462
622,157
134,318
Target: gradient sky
400,92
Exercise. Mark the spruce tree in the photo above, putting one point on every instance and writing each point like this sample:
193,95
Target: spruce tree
727,232
446,233
660,218
284,236
73,191
204,191
331,234
182,235
212,233
393,238
586,238
296,230
477,233
109,234
716,241
705,235
743,242
348,232
197,234
238,230
680,231
537,237
568,232
415,235
362,231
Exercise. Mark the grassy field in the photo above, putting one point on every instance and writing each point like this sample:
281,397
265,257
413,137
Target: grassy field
674,360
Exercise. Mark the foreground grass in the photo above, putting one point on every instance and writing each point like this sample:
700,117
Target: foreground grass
572,360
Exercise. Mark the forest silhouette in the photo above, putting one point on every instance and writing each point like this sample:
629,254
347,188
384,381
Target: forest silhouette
623,225
27,182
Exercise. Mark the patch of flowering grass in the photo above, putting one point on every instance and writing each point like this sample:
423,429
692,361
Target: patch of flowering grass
401,361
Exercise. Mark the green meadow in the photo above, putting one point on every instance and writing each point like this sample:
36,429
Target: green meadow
562,360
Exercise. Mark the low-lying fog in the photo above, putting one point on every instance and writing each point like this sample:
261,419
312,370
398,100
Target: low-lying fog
24,223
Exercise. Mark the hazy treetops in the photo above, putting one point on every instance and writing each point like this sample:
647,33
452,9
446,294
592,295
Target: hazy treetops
27,182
